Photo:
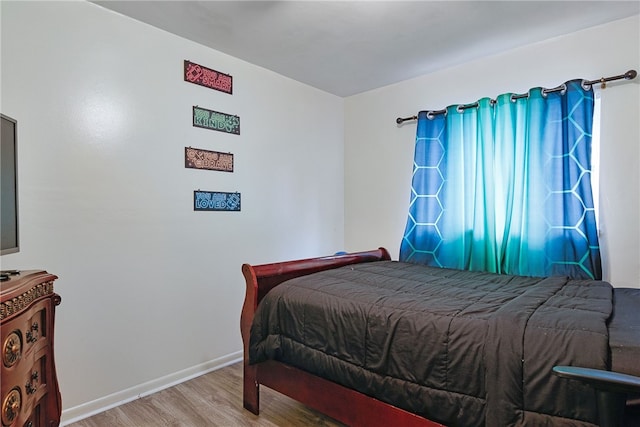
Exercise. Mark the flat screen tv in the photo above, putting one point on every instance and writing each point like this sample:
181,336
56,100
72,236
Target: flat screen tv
9,184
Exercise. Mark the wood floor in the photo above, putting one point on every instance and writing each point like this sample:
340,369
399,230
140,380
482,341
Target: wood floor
211,400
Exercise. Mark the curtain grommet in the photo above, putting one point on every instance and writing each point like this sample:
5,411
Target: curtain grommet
563,91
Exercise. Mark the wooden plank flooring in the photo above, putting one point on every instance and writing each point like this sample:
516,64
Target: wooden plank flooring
211,400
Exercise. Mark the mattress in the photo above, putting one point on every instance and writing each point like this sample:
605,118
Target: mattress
462,348
624,331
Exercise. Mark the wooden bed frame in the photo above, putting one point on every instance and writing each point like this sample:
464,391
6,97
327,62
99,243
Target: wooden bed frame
357,409
343,404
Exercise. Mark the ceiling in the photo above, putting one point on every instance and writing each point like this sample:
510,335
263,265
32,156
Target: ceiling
348,47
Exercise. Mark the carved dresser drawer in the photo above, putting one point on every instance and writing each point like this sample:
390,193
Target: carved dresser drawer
29,388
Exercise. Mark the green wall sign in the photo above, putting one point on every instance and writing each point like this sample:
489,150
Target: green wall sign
215,120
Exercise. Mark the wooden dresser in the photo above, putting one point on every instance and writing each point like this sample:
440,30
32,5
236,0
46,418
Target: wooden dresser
29,386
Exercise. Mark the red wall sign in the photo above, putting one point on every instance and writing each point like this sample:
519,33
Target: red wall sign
203,76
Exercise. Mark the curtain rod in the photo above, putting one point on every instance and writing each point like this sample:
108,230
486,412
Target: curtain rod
629,75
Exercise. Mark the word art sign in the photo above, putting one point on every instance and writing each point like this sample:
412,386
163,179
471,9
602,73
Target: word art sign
203,76
211,160
215,201
215,120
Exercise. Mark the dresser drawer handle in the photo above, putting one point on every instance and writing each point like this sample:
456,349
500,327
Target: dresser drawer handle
11,349
11,406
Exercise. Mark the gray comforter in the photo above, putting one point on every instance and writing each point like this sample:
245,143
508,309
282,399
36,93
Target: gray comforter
462,348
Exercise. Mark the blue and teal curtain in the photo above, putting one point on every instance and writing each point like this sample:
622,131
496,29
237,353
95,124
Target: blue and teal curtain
505,187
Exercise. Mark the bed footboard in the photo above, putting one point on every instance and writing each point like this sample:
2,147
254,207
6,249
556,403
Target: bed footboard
260,279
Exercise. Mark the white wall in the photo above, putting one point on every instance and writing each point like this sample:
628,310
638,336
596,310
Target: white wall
379,154
151,290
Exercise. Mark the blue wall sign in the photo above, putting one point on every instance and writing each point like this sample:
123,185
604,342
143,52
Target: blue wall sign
215,201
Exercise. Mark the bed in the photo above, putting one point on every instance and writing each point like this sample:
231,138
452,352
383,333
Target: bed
369,341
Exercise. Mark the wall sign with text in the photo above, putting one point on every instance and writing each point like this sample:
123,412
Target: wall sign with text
203,76
196,158
216,201
215,120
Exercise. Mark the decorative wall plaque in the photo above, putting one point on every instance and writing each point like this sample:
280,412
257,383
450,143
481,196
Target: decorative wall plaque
211,160
215,201
215,120
203,76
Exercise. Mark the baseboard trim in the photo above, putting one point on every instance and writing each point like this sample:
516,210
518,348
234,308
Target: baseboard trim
77,413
